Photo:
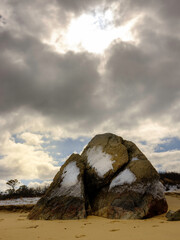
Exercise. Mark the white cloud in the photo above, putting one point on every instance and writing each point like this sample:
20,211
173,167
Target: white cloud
166,161
32,139
38,184
93,32
3,185
24,161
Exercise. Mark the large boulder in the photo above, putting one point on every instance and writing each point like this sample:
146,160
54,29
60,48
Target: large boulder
128,186
114,180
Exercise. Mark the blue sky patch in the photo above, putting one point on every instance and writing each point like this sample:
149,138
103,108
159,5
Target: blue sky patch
60,149
143,142
17,139
168,144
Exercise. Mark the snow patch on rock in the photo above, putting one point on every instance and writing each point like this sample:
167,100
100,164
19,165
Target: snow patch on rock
123,177
70,175
134,159
70,185
157,190
99,160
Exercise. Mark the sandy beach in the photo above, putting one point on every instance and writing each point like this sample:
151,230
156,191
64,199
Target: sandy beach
15,225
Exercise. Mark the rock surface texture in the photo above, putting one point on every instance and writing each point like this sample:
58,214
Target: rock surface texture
112,178
173,216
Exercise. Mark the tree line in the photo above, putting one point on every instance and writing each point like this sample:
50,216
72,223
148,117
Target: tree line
173,176
22,191
170,179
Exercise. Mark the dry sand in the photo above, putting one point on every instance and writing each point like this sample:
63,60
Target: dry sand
16,226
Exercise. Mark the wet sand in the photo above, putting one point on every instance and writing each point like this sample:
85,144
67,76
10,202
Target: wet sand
16,226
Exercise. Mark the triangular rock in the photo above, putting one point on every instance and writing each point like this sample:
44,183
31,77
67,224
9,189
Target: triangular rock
65,196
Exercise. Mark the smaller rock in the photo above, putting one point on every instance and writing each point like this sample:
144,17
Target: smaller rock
65,197
173,216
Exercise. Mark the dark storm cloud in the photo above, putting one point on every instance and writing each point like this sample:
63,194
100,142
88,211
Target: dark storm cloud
145,82
53,84
78,5
140,80
41,16
2,21
144,77
164,12
36,18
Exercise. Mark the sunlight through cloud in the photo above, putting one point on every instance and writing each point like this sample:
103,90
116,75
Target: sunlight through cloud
93,32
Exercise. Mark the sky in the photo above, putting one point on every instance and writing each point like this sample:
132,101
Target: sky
71,69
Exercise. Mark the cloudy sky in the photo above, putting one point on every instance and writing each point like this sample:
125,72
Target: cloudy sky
70,69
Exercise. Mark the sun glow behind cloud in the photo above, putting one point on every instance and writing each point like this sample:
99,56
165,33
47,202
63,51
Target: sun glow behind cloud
92,32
